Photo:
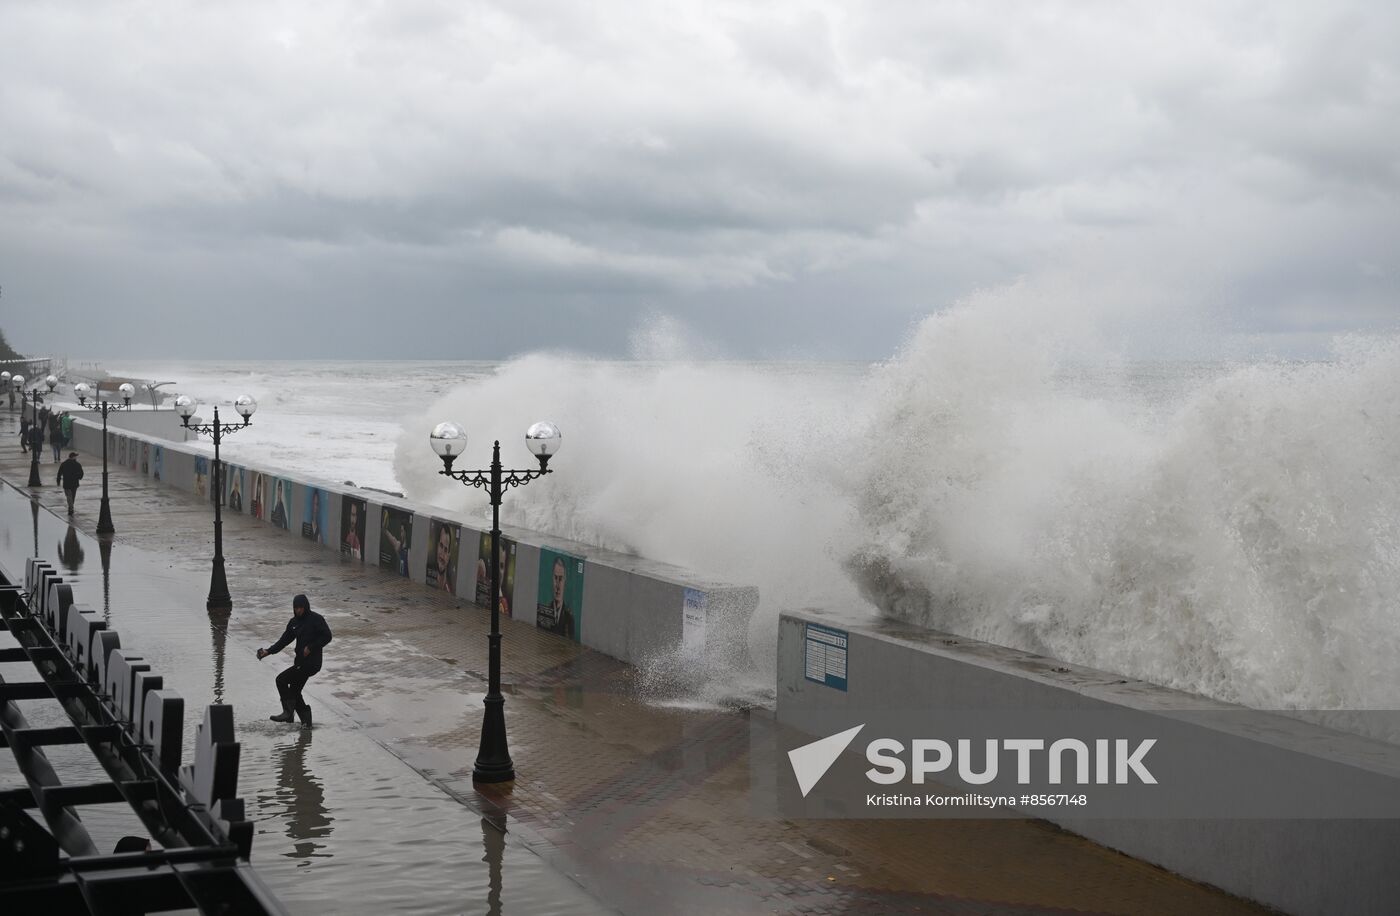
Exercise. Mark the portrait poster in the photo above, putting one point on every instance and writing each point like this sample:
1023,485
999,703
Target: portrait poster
279,510
313,515
133,454
201,476
559,606
111,443
234,480
121,451
352,528
257,496
157,462
444,541
483,573
146,458
395,539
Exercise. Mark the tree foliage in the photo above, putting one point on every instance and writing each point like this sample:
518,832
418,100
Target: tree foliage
5,351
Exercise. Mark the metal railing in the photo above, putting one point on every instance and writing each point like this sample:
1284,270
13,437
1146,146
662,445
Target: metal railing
132,725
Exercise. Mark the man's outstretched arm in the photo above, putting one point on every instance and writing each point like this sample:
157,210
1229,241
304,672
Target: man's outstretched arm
280,644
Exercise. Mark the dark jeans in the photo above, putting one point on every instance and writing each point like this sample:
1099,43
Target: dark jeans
289,684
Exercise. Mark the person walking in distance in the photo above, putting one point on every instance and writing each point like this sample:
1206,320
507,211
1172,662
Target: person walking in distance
36,440
311,633
69,473
56,435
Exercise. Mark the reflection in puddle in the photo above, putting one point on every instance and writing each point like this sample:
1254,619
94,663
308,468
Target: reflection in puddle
302,799
70,551
104,550
493,842
218,630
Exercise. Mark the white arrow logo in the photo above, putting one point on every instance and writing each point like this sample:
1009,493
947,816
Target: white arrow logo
811,761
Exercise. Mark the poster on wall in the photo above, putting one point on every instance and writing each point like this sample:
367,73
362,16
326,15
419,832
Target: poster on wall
257,496
352,528
157,462
111,443
483,573
146,458
559,606
233,484
693,620
121,451
133,454
279,512
313,516
395,539
444,538
201,476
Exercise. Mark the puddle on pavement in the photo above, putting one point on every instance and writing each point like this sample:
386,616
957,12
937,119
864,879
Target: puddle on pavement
342,824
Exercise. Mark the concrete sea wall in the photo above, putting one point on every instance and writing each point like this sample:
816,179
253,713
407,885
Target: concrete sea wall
631,608
1304,864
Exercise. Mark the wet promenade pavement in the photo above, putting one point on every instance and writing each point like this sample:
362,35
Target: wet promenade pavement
621,804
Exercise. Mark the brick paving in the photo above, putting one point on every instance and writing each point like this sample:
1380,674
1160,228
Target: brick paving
646,806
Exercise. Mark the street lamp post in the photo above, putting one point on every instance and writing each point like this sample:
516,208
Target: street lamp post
36,397
493,763
219,599
100,404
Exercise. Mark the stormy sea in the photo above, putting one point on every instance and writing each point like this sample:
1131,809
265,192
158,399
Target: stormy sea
1223,526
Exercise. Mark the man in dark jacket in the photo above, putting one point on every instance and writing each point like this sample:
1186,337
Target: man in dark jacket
69,473
311,633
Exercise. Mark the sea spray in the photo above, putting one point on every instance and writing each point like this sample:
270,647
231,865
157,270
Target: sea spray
724,468
1242,544
1227,529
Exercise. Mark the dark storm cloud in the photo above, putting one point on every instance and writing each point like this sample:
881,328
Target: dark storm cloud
784,177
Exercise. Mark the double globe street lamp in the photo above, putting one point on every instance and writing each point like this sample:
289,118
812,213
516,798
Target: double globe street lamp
84,391
219,598
448,439
35,397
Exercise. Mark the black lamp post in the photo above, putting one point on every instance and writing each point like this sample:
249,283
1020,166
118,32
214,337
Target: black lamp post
493,763
35,397
82,390
219,599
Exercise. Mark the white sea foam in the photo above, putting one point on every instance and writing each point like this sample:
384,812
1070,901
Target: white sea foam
1237,540
1226,529
724,468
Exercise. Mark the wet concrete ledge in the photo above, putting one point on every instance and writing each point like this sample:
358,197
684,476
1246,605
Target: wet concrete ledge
1303,864
634,609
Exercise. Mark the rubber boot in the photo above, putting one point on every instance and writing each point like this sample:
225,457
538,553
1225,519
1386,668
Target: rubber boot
284,716
304,714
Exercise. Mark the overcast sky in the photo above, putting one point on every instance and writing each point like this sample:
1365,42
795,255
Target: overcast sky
475,179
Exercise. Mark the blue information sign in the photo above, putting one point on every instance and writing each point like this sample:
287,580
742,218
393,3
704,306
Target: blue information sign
825,660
